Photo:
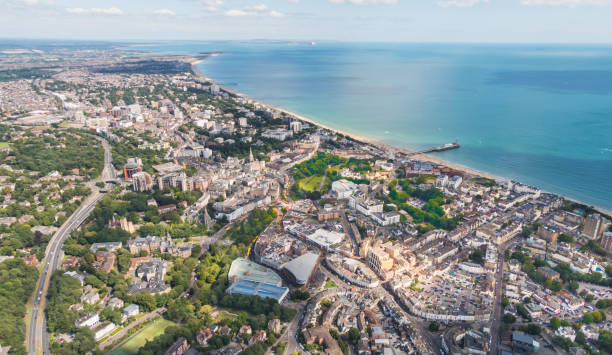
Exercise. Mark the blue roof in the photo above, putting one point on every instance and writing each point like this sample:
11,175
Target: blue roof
261,289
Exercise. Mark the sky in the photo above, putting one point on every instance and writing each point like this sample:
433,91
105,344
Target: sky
482,21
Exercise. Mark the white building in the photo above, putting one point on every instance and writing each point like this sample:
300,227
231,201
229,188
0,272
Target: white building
342,189
88,320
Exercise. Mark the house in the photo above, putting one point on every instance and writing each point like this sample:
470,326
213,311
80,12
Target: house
105,260
90,298
114,303
225,330
259,336
178,348
71,261
131,310
203,336
245,329
31,260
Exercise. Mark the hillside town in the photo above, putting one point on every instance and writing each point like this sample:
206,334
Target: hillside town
229,226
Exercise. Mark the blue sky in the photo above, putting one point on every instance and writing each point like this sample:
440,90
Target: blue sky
542,21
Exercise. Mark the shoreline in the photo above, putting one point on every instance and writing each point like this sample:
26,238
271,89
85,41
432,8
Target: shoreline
383,146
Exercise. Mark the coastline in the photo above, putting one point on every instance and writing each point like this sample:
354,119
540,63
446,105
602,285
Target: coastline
383,146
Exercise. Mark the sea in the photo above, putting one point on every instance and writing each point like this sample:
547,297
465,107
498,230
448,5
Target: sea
539,114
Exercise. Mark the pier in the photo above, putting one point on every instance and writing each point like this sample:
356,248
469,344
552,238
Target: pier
441,148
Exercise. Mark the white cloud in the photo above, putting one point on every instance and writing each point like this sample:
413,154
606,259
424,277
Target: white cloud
107,11
215,3
260,10
236,13
258,7
294,1
364,2
95,10
275,14
76,10
29,3
568,3
165,12
460,3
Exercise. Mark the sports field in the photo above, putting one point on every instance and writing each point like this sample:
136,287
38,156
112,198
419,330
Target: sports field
148,333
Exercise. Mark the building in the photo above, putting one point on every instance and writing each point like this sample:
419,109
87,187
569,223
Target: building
261,289
524,342
179,347
275,325
102,330
114,303
325,239
89,319
131,167
142,181
606,241
91,297
105,260
593,226
299,270
109,246
131,310
278,134
549,273
547,233
379,261
342,188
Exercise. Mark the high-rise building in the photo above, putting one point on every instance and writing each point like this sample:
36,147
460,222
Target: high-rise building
593,226
606,241
142,181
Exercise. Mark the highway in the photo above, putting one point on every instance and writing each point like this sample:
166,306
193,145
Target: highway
36,337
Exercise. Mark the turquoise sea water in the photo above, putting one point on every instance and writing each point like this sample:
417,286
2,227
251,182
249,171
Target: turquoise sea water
538,114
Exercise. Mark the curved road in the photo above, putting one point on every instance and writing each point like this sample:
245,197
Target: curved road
36,337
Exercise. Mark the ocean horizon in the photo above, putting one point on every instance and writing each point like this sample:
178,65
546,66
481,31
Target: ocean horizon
538,114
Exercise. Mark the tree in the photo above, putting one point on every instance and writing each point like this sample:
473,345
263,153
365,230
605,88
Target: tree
533,329
509,318
605,341
354,335
565,238
522,311
555,323
434,327
573,285
505,302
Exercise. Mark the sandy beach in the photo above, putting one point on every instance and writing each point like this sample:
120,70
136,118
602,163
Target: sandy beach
381,145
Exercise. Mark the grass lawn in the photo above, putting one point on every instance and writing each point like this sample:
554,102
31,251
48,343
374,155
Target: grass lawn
148,333
4,144
330,284
220,315
310,183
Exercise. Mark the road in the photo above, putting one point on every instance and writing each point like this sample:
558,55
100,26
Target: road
498,311
37,339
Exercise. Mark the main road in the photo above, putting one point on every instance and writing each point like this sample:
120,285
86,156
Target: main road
36,337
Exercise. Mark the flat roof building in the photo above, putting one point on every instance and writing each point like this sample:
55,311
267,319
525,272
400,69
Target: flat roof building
299,269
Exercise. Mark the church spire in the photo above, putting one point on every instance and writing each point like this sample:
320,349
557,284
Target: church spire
251,159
